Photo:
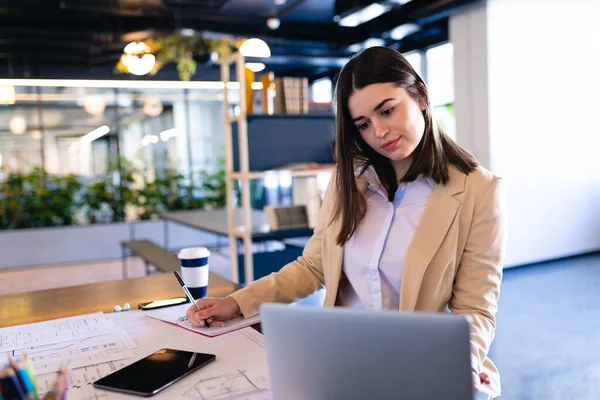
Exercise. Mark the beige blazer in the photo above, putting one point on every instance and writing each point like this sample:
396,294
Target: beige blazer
455,260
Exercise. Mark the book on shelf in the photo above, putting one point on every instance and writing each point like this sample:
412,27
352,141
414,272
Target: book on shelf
286,217
291,95
266,94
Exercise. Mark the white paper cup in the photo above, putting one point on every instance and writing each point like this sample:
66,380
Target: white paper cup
194,270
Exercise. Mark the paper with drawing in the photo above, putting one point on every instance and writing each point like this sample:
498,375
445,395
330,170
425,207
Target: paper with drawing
176,316
98,340
239,372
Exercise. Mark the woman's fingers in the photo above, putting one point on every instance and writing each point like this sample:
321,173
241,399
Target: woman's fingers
484,378
212,311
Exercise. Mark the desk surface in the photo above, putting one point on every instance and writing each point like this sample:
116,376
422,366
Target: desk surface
215,221
25,308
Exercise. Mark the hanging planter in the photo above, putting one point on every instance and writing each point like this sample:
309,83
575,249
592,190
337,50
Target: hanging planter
188,52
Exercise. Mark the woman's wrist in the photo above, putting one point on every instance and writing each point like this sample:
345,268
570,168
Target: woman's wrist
234,303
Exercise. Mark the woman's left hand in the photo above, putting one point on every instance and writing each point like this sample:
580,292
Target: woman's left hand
479,380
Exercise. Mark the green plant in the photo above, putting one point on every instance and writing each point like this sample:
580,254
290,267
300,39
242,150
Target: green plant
38,200
213,188
156,194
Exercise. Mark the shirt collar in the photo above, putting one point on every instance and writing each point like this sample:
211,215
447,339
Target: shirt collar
368,173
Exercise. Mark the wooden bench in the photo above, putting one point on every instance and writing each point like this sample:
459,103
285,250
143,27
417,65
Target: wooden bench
151,253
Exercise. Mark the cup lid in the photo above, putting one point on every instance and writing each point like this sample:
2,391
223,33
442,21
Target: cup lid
193,252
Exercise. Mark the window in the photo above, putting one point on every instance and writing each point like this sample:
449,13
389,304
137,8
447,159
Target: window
440,74
440,81
415,59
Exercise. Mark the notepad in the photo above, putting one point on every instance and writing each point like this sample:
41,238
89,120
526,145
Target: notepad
176,316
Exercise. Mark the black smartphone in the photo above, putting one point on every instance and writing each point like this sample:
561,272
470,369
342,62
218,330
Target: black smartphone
155,372
153,305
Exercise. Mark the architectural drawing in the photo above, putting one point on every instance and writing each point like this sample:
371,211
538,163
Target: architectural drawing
54,331
235,385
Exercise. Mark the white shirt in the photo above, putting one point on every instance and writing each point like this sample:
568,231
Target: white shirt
374,256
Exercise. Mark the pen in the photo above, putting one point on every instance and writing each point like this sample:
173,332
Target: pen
192,360
189,295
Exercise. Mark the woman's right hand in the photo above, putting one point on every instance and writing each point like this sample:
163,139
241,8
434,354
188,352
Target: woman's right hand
214,310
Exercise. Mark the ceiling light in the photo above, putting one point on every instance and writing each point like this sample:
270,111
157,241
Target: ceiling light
36,134
255,67
18,125
137,58
354,48
279,2
94,104
402,31
402,1
7,95
138,64
147,139
273,23
255,48
153,107
136,48
364,15
168,134
187,32
372,43
95,134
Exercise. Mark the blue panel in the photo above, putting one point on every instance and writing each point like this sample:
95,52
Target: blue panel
275,140
268,262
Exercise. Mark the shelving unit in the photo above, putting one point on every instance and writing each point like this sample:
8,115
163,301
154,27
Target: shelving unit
238,162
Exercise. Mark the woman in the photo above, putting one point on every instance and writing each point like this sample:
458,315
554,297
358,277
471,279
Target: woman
409,222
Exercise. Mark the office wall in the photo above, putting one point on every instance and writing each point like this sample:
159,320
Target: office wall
528,94
76,244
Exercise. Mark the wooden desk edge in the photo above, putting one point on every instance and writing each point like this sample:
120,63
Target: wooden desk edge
25,308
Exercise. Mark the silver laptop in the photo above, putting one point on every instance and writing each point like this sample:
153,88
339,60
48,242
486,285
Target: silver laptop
326,353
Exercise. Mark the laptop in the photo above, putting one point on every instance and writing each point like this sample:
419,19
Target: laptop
340,353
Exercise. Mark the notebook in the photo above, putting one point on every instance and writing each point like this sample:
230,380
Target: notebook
176,316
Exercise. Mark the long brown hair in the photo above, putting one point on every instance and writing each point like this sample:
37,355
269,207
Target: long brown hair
431,158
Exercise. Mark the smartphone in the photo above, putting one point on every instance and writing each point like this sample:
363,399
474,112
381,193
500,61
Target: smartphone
155,372
153,305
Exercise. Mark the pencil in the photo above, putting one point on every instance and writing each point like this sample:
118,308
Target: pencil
30,372
10,385
23,378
